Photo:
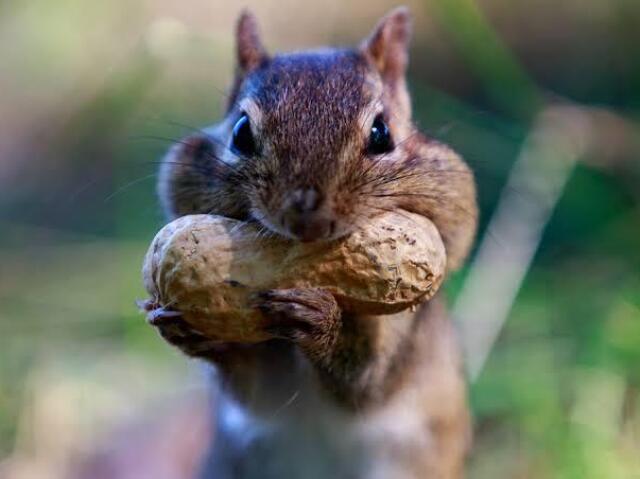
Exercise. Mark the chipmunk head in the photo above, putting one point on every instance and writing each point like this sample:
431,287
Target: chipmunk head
299,133
306,126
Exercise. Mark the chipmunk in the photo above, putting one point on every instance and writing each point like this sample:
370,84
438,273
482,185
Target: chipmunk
312,146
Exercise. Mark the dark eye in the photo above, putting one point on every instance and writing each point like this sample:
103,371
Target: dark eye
380,138
242,141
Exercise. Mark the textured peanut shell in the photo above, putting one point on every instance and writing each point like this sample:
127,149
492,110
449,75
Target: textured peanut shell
210,269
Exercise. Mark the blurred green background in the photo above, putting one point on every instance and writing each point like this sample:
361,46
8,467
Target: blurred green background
92,94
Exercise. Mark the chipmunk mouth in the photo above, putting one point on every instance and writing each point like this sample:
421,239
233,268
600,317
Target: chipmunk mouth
304,214
309,229
306,229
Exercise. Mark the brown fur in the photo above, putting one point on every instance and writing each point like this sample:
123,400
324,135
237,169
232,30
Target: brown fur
311,113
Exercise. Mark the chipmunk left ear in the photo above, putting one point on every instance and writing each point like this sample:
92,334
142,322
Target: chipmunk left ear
250,51
387,46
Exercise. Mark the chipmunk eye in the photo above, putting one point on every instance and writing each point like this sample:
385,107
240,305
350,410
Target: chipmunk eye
242,140
380,138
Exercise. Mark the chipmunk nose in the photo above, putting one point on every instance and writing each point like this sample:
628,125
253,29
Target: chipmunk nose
305,201
304,217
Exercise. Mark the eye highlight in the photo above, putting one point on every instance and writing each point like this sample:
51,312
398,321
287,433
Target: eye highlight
242,141
380,140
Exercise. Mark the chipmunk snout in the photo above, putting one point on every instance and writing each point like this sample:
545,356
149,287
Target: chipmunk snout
305,201
306,216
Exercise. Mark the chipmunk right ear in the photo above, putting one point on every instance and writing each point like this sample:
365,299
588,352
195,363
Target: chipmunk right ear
387,46
250,51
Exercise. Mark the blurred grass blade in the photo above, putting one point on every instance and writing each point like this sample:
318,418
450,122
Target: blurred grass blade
506,82
535,185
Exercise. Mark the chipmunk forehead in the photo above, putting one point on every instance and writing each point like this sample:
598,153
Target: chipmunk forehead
330,83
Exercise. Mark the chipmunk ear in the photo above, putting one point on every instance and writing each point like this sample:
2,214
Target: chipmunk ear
387,46
250,51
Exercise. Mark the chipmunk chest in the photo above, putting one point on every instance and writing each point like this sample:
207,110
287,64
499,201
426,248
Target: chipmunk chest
314,439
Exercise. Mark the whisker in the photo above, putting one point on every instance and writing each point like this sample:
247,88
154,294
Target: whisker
127,186
181,141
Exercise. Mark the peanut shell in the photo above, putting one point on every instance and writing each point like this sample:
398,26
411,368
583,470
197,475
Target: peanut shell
210,268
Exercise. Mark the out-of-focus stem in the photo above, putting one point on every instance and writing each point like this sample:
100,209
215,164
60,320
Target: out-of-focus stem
559,138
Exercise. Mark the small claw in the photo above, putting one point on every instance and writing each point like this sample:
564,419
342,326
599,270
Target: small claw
145,304
157,315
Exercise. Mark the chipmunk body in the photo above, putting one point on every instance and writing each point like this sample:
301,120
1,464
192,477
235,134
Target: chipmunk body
313,145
